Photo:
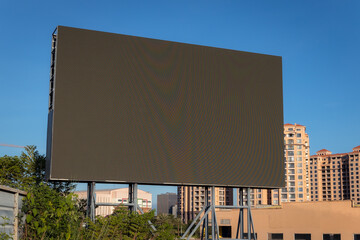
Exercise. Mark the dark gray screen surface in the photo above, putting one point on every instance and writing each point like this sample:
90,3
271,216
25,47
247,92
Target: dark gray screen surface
132,109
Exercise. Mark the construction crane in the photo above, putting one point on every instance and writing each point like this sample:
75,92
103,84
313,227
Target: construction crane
11,145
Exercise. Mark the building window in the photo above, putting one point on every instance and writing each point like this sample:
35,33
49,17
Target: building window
298,135
302,236
298,140
331,236
299,153
275,236
252,235
357,236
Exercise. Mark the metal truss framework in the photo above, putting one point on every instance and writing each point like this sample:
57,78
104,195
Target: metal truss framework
203,215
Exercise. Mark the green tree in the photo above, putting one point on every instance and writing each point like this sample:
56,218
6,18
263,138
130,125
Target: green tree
126,225
11,172
28,170
50,214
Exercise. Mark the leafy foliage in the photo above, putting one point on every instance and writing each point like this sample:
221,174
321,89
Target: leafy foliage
52,212
126,225
49,214
27,171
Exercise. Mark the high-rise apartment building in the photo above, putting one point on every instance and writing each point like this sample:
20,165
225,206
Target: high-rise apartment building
165,203
335,176
296,163
192,199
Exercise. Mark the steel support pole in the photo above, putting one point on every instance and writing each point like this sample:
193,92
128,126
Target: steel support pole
131,197
240,202
248,214
242,213
90,210
207,216
213,221
135,198
133,189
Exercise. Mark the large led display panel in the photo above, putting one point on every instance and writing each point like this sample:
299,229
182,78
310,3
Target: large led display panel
137,110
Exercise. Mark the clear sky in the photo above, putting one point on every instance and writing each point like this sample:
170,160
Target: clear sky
319,42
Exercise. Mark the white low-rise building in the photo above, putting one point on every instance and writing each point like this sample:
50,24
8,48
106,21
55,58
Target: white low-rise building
119,195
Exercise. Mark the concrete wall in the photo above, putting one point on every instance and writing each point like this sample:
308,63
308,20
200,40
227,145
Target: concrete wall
10,206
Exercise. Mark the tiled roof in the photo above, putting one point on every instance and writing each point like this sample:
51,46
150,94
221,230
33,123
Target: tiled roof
323,150
289,124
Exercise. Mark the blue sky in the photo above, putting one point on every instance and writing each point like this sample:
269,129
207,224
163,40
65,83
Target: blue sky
318,41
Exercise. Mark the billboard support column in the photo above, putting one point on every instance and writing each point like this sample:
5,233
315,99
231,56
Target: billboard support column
240,227
133,187
207,216
90,210
248,214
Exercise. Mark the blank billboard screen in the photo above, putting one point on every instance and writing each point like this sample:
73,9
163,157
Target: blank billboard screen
137,110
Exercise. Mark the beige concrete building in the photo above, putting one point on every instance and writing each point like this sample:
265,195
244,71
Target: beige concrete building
120,195
298,221
296,163
335,176
192,199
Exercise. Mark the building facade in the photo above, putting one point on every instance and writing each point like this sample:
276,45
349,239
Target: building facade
165,203
335,176
120,195
297,221
192,199
296,163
